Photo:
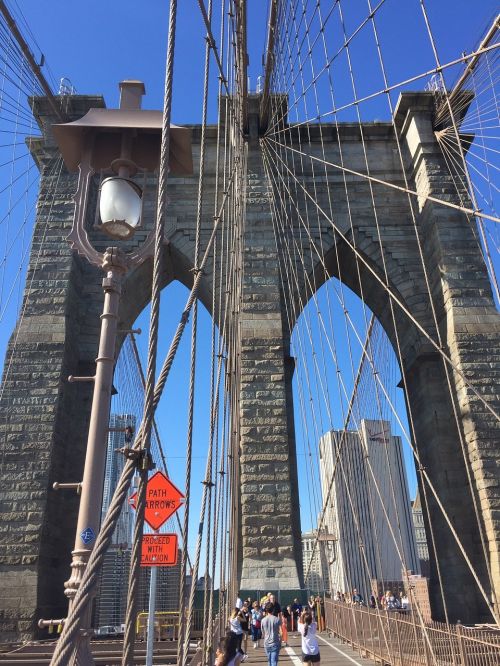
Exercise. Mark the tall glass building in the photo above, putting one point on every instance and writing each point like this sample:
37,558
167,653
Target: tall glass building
115,463
368,511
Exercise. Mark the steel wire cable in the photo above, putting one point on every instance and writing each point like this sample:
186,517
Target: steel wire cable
387,642
184,630
90,576
431,486
129,638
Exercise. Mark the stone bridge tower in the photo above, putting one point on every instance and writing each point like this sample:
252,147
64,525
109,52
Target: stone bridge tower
44,419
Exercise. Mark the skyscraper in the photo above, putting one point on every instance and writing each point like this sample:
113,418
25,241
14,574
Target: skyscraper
368,510
114,467
315,556
420,536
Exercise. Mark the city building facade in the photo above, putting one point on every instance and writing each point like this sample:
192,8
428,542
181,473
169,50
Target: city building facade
420,536
365,487
111,601
315,556
121,427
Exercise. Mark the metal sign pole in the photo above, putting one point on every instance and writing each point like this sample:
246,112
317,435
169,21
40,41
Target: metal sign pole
151,614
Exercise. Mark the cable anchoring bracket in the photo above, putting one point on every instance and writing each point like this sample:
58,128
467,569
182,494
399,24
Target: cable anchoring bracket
141,457
72,379
68,486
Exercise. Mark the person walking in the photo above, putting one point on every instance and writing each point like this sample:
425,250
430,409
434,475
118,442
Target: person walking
276,610
320,613
236,629
311,607
310,646
270,627
284,628
256,619
296,610
357,598
245,624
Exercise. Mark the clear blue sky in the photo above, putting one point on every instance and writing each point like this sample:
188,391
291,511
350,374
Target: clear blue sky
98,43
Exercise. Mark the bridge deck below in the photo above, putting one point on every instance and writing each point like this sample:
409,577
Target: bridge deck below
332,651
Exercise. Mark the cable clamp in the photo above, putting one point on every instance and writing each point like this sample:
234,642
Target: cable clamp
209,484
135,331
141,457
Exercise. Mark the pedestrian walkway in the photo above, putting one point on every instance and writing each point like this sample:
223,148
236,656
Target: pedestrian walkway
333,653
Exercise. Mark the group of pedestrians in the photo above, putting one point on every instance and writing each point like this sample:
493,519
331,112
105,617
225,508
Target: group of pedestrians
265,620
387,601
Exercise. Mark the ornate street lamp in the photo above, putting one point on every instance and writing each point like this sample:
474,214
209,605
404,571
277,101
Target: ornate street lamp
120,207
118,144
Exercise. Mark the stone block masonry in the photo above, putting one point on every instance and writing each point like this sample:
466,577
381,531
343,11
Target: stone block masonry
270,514
44,420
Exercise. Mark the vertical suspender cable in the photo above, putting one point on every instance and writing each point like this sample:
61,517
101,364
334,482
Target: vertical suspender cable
129,639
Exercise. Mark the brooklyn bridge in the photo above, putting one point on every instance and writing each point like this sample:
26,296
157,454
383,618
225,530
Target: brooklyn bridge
251,333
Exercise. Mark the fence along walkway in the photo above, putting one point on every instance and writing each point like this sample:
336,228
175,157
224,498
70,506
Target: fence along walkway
392,638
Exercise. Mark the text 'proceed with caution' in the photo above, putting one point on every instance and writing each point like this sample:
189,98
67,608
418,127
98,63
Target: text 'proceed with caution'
162,501
159,550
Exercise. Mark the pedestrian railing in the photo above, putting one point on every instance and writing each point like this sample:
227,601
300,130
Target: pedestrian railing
167,625
197,658
401,639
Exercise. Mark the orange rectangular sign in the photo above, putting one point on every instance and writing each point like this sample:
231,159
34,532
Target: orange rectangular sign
159,550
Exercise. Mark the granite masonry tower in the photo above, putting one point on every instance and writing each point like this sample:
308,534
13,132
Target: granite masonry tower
44,419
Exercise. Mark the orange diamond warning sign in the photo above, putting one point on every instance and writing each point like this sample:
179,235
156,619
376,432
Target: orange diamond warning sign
162,500
159,550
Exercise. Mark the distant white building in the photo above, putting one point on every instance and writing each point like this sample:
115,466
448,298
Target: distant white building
368,508
315,559
420,536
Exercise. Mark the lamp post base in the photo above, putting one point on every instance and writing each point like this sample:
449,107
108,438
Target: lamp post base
82,654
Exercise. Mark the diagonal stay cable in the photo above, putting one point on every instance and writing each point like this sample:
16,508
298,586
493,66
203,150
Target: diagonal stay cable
140,370
91,574
379,181
392,295
129,638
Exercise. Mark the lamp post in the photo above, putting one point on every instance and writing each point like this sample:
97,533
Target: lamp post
117,143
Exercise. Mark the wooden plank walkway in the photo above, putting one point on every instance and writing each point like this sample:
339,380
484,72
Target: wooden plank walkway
332,651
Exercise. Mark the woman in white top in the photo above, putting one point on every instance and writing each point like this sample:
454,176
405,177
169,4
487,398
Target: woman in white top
310,647
236,629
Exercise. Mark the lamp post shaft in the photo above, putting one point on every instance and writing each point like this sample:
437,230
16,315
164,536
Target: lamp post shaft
89,515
